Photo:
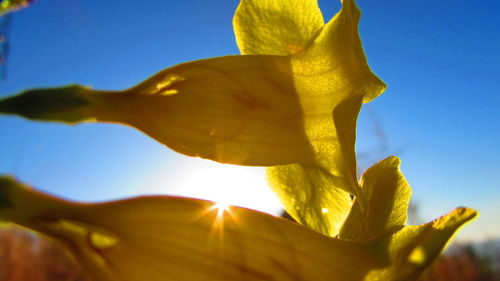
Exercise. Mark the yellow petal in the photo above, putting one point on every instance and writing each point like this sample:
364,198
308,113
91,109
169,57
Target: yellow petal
336,57
269,27
172,238
413,248
310,195
388,195
329,181
237,109
332,79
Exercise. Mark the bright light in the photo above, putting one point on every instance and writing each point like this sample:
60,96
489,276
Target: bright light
221,208
224,184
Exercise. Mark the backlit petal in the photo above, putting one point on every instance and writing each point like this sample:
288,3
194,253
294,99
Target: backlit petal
172,238
269,27
388,196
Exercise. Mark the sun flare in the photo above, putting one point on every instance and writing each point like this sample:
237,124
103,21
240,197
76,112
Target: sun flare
226,185
221,209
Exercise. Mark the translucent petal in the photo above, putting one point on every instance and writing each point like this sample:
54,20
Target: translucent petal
269,27
172,238
388,196
310,196
413,248
333,80
336,57
237,109
306,190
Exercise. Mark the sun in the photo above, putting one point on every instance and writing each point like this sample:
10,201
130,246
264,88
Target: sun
226,185
221,208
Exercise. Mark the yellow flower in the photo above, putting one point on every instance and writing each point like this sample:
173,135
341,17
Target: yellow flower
292,99
173,238
290,102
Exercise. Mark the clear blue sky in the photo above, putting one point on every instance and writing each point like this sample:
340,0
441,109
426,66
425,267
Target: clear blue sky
440,60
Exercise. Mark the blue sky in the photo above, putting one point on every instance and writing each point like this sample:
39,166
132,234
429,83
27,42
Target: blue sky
440,114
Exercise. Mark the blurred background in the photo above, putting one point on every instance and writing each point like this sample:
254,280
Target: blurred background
440,60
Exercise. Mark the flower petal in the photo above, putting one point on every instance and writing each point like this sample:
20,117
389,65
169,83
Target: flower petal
318,195
236,109
154,238
332,78
268,27
172,238
336,57
310,195
413,248
388,196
